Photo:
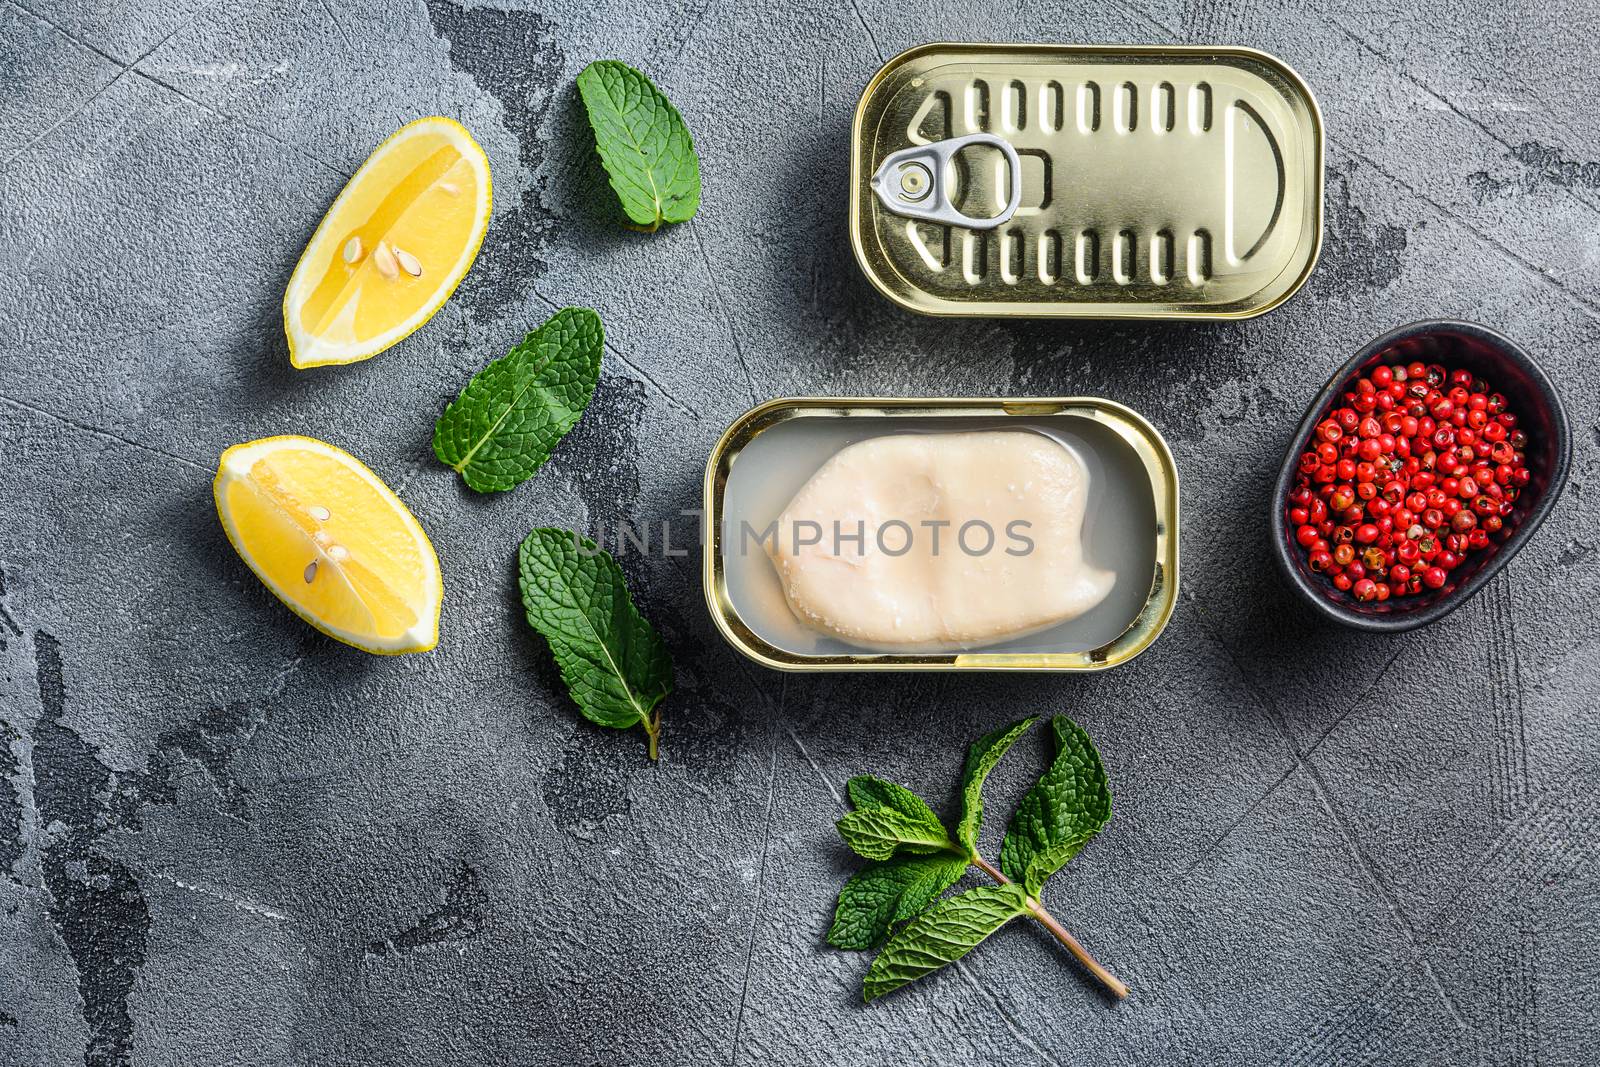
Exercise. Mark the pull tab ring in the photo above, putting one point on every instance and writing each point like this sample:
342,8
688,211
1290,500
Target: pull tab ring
914,182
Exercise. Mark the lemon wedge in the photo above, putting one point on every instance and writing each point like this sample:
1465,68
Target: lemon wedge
332,542
398,240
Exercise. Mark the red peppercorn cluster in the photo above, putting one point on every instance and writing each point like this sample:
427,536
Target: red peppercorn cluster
1418,468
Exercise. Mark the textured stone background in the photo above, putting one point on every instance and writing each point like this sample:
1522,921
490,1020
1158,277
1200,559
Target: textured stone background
227,840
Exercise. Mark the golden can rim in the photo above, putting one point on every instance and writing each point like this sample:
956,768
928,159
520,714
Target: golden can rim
1145,440
1043,310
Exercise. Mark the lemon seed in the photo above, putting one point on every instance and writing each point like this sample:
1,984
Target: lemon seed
383,259
320,513
311,571
412,265
352,250
338,552
451,188
322,537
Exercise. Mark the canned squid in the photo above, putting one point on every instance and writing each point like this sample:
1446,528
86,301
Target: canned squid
862,533
1086,182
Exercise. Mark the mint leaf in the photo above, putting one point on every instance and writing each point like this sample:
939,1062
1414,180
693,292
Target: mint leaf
882,894
982,756
868,792
942,934
613,662
1058,816
643,142
889,817
878,833
514,412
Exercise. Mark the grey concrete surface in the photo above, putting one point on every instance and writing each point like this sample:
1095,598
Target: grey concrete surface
225,839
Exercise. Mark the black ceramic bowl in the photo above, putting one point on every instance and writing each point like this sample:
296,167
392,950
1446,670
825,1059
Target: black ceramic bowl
1509,371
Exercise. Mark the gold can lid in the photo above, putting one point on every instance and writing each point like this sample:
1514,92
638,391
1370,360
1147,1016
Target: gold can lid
1086,181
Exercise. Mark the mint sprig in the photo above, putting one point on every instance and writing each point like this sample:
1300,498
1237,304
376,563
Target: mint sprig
644,144
510,417
614,664
916,860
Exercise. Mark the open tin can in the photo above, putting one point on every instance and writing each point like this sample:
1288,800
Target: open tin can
1166,182
1130,526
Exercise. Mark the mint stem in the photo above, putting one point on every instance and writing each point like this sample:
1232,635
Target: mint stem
652,730
1059,932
